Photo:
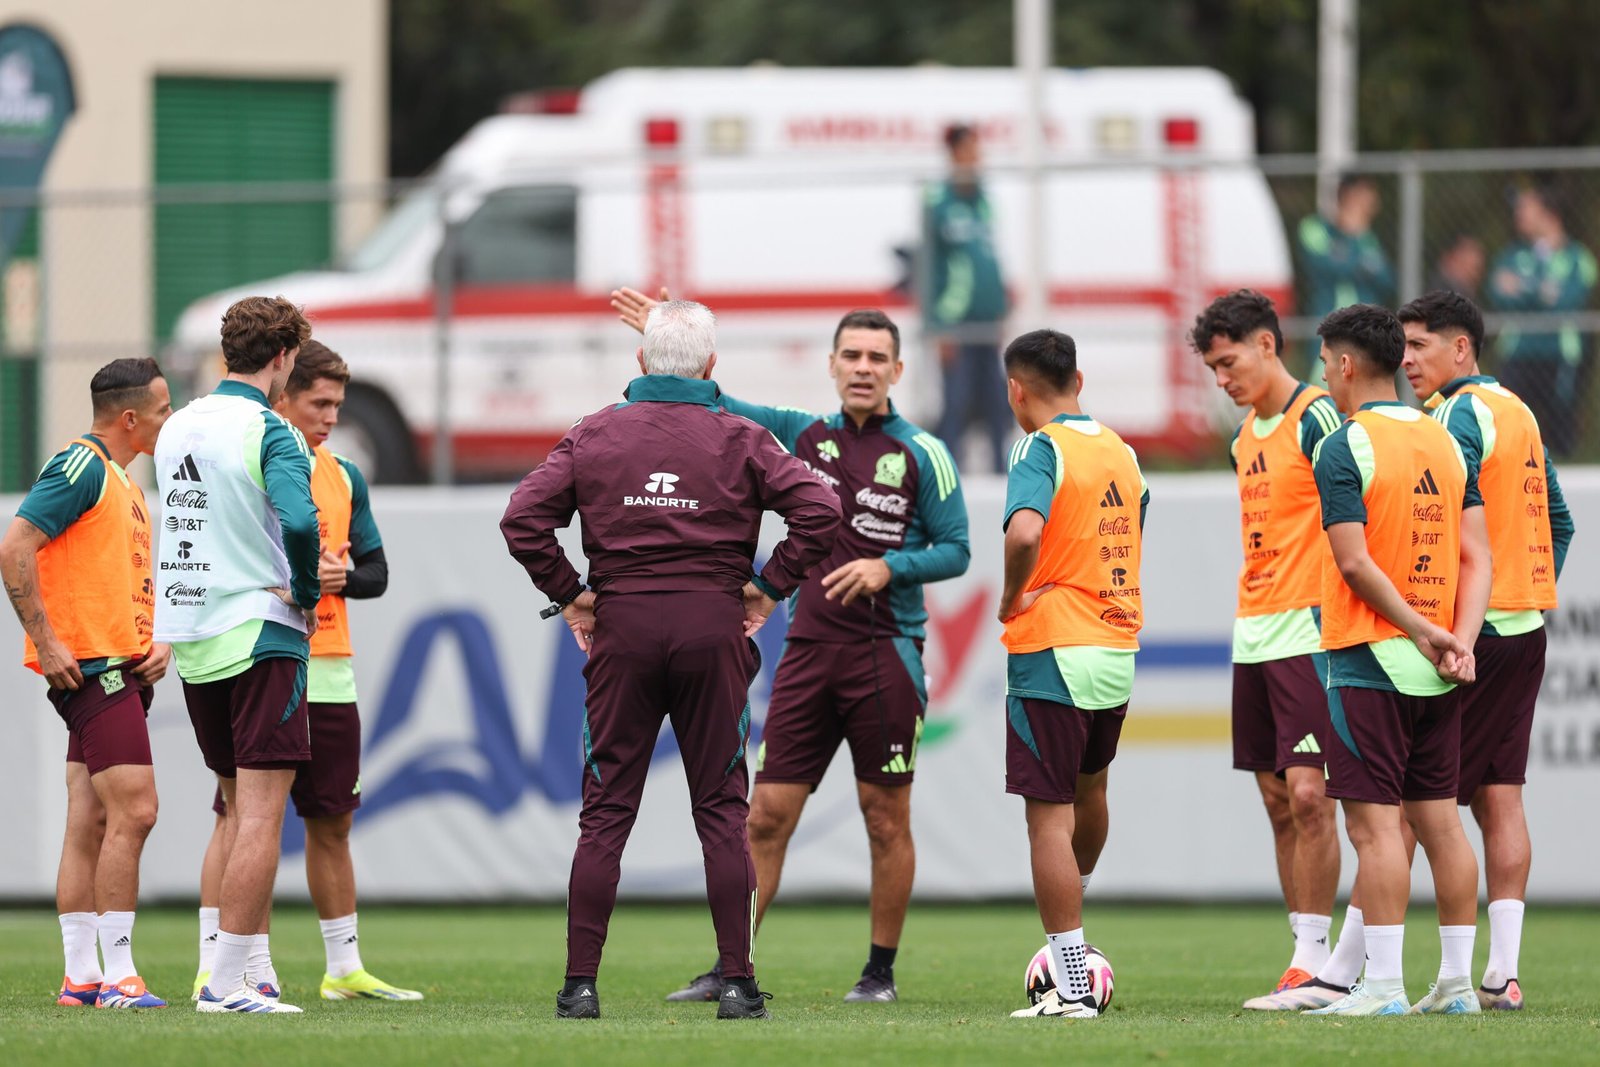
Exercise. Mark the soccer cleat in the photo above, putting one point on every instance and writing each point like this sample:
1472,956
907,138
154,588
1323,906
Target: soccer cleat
362,985
1453,997
581,1003
77,996
1507,997
128,993
707,987
1054,1006
245,1000
1389,999
1302,997
873,989
733,1004
200,981
1292,977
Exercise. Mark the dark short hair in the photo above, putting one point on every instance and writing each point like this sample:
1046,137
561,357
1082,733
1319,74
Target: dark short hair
122,384
1235,316
257,328
1348,182
1047,356
1445,311
867,319
315,362
1549,196
1368,331
956,133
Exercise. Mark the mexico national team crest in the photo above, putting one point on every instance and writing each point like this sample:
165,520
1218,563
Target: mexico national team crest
891,469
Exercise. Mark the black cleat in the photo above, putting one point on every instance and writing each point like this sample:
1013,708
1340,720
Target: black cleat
705,987
581,1003
733,1004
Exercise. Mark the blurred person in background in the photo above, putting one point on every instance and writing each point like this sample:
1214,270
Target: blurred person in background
77,570
1544,270
1461,267
964,300
906,526
1341,259
327,790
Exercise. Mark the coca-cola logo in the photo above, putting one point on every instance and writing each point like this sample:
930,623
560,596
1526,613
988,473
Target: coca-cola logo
1533,484
890,503
1428,512
1120,526
194,499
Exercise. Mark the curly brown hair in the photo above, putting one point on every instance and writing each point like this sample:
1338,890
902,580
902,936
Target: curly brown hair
257,328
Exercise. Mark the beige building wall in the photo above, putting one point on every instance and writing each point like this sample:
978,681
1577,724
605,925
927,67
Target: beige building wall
96,252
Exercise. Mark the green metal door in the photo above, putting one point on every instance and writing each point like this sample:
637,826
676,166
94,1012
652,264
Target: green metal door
211,130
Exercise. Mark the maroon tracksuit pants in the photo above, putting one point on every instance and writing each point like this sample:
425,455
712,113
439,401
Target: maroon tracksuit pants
681,656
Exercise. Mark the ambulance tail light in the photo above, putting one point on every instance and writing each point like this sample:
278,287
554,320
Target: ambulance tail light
661,133
1181,133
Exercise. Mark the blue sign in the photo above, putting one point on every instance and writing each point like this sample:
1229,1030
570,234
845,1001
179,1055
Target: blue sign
36,99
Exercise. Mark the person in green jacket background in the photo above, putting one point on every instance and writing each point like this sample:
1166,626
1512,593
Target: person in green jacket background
1544,270
1341,260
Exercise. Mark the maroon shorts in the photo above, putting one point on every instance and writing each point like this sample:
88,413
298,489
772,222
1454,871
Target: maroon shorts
1048,745
105,719
1280,714
256,720
330,784
1497,711
869,695
1392,747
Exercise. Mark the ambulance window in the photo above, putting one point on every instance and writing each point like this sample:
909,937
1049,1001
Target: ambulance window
526,234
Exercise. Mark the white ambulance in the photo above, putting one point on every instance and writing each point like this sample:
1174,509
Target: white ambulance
780,198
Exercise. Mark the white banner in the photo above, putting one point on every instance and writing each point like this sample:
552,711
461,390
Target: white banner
473,707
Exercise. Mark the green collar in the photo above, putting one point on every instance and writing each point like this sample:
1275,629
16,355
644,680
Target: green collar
228,387
1455,384
1369,405
1064,418
671,389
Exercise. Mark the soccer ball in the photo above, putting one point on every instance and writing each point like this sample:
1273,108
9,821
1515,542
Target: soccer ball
1040,976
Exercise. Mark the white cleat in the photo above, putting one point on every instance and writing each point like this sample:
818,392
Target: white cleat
1307,996
1454,996
1053,1006
1369,998
242,1001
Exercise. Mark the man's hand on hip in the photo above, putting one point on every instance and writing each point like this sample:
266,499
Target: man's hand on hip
758,608
579,616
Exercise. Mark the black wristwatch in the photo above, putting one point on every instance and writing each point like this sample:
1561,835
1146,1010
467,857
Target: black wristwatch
558,606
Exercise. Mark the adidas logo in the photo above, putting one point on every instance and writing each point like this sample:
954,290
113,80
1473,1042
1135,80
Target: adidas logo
213,937
730,993
350,940
1113,498
1426,486
1308,745
1532,462
187,471
123,941
1260,464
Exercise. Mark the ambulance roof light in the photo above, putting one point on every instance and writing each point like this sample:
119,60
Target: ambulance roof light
1181,132
661,133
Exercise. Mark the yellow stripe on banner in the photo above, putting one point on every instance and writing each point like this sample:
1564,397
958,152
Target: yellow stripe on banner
1176,727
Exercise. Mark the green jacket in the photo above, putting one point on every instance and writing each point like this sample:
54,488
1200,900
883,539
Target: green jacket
1559,281
962,282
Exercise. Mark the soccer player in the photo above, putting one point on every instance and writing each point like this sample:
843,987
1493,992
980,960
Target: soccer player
243,548
906,525
1281,727
77,570
671,491
1071,608
1402,600
1530,530
327,790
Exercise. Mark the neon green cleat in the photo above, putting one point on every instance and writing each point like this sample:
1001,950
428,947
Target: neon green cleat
361,985
200,981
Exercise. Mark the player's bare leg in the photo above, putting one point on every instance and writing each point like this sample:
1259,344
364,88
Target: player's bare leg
1058,891
1507,858
211,866
80,852
1275,798
1091,821
886,810
254,826
127,792
1455,883
775,809
330,873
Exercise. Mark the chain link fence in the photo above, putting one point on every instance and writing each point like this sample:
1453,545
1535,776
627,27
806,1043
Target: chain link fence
475,318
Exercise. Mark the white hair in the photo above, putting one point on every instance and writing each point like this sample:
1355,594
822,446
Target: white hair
679,338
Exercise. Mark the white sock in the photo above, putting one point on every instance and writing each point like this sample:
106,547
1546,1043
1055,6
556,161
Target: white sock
1083,881
78,931
1384,948
1072,971
1505,941
1455,951
259,966
1311,941
1294,924
1345,962
344,950
208,938
229,965
116,944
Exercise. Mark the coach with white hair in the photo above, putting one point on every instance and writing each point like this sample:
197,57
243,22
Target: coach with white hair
670,490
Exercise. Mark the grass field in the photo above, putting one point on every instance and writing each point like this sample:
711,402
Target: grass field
490,975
